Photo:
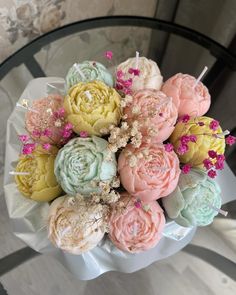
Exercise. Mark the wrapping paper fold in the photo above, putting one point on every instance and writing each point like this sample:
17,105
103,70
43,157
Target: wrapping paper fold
29,218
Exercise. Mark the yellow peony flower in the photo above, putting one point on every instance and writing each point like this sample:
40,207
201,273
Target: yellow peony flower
92,107
40,184
207,139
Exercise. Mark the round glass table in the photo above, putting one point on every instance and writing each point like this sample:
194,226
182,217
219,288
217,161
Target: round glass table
173,47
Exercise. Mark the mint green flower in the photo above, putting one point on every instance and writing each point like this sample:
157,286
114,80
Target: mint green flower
82,163
194,201
88,71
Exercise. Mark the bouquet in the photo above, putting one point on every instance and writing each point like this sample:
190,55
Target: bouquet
116,155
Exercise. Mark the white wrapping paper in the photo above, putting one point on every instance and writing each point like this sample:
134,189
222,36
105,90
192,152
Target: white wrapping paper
29,218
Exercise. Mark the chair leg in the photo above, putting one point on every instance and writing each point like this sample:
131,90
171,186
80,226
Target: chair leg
14,259
220,262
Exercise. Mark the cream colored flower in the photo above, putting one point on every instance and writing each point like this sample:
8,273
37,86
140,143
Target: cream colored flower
76,226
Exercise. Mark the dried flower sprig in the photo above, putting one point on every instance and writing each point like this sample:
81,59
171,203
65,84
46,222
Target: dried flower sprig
85,208
213,162
49,118
120,136
124,86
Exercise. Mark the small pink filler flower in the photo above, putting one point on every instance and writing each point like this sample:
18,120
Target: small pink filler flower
186,168
207,164
46,146
182,149
109,54
83,134
230,140
212,154
28,148
66,133
119,74
24,138
214,125
184,118
169,147
136,72
138,204
47,132
68,126
211,173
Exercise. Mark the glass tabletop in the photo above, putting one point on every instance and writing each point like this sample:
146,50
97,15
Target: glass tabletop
174,48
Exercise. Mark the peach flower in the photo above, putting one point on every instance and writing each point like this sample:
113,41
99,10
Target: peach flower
135,228
76,226
148,172
191,100
155,113
44,120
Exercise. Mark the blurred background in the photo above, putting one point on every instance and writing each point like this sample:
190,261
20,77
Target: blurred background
21,21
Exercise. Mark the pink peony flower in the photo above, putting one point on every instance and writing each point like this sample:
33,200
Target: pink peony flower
230,140
188,98
149,104
211,173
134,229
37,123
153,176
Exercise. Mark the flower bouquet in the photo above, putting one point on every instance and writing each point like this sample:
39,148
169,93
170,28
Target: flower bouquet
104,169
